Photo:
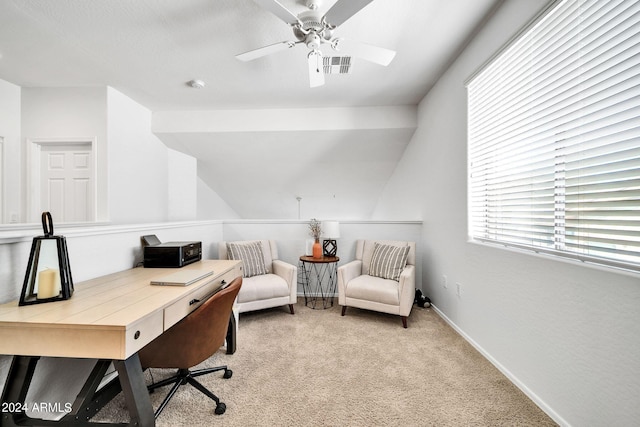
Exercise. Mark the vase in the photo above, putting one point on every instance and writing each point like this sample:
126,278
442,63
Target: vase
317,249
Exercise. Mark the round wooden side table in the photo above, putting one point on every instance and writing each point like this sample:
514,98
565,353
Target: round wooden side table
319,280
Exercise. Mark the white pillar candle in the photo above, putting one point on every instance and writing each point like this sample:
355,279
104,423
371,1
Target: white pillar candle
48,283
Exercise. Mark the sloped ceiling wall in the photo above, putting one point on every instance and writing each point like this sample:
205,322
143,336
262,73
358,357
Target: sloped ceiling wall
290,164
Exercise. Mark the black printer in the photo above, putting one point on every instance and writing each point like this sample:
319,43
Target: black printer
171,254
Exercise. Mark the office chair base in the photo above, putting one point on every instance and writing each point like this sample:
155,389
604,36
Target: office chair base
184,376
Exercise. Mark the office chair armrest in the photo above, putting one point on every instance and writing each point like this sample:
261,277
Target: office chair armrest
407,285
289,273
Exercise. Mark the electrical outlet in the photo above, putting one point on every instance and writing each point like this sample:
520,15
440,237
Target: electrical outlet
444,281
458,289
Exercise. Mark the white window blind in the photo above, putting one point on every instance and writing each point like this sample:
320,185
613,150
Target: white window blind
554,136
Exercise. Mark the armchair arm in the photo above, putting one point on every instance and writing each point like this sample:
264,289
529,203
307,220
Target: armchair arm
407,287
346,272
289,273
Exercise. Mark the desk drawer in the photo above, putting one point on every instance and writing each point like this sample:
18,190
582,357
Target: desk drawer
143,332
178,310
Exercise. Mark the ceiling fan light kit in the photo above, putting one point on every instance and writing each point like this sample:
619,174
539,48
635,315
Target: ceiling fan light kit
313,29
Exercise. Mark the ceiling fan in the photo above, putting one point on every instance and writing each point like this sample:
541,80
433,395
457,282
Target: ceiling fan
313,30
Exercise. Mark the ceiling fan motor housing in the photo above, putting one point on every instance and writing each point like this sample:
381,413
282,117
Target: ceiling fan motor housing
312,25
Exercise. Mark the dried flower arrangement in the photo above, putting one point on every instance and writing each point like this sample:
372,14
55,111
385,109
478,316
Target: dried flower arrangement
315,229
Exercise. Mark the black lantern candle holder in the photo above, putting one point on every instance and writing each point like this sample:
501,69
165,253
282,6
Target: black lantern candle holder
48,276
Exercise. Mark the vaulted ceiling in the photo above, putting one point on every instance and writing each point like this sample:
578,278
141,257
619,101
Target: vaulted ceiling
325,144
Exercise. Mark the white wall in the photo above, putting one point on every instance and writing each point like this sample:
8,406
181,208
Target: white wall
10,130
336,159
138,164
139,179
211,205
98,250
182,186
189,198
65,113
566,333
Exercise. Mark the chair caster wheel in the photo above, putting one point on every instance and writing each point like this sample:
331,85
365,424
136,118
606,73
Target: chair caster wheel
220,408
227,373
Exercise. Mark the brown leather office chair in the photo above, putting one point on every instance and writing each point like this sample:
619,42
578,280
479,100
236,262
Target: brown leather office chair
191,341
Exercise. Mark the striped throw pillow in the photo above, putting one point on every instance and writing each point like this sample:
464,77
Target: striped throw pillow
251,255
388,261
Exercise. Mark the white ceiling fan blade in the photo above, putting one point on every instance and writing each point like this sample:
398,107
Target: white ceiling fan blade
316,71
275,7
265,50
343,10
375,54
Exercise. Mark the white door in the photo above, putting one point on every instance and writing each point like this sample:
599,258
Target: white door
66,182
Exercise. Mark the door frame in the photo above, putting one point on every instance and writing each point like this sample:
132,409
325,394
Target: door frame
34,153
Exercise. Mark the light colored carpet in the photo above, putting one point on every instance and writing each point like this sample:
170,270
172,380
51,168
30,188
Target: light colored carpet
317,368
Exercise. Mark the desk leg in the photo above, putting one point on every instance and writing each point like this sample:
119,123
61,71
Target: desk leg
87,402
16,388
231,334
135,391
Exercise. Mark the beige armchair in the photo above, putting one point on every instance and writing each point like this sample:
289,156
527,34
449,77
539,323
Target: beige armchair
381,278
267,281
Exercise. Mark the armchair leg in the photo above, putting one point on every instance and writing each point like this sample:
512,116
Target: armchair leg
404,321
344,310
291,309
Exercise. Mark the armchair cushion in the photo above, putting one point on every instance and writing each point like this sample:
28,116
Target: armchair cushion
376,289
251,255
263,287
387,261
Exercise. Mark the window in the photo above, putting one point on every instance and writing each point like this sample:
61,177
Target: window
554,136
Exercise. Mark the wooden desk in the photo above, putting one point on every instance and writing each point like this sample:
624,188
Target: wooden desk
108,318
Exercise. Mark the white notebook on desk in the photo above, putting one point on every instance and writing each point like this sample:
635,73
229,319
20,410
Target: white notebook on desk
181,278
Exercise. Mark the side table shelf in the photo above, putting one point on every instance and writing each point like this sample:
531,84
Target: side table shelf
319,277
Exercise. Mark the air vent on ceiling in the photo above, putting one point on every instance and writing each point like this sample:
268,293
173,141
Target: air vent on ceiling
336,64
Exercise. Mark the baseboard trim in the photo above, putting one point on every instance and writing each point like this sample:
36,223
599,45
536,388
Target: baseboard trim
530,394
